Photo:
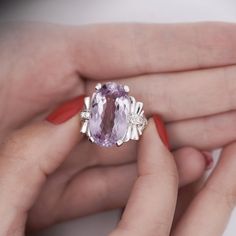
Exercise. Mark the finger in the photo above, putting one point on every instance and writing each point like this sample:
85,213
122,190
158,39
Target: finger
191,164
184,95
96,156
185,197
105,188
205,133
210,211
150,208
82,48
118,50
23,99
27,157
91,191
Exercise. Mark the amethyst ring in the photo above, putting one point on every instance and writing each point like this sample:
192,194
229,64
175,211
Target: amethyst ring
112,117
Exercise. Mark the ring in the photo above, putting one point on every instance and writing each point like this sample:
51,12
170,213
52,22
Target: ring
112,117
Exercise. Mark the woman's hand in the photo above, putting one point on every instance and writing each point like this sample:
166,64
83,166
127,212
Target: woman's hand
44,65
187,71
151,206
44,180
33,153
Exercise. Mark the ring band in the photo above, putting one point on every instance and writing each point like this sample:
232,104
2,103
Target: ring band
111,116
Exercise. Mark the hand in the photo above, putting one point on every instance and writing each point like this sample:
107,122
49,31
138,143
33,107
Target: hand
187,70
44,65
151,206
40,186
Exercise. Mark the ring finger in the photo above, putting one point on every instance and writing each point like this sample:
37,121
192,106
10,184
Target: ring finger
184,95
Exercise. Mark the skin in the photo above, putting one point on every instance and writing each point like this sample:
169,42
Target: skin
207,214
57,175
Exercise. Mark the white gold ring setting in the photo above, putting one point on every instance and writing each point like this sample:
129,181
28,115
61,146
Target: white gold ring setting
112,117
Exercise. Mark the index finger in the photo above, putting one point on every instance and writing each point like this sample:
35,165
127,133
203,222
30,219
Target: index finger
120,50
151,206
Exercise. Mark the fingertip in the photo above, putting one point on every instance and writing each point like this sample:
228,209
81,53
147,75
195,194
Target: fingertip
191,165
160,127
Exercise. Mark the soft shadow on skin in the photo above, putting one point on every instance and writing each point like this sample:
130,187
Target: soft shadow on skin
8,7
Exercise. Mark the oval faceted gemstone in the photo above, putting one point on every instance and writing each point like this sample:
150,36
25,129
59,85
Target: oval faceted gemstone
109,114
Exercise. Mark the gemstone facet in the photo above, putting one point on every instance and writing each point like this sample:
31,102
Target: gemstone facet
109,114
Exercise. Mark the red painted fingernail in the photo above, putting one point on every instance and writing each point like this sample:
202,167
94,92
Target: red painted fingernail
66,111
161,130
209,160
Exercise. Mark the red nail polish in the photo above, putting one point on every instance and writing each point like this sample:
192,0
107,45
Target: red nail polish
161,130
208,159
66,111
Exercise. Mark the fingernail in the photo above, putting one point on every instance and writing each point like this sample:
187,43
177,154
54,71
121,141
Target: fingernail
161,130
66,111
209,160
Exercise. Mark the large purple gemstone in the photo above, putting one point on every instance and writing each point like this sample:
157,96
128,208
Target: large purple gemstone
109,113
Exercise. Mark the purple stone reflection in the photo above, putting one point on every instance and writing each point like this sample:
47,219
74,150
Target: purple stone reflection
109,114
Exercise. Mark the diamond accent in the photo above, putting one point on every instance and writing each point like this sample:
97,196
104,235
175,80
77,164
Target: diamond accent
138,120
85,115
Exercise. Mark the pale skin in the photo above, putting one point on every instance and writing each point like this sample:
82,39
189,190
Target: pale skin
188,73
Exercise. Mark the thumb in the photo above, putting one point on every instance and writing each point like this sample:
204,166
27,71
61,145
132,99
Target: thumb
151,206
28,156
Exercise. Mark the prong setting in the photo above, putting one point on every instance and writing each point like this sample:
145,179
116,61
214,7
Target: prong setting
119,143
138,108
84,127
91,139
87,101
98,86
126,88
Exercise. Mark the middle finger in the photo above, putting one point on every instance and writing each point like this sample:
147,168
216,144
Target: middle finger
184,95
